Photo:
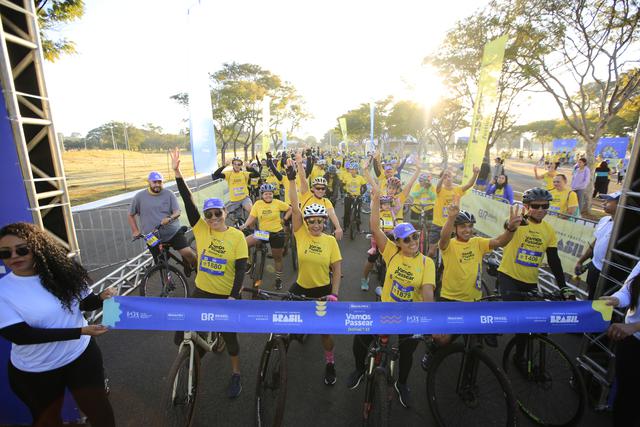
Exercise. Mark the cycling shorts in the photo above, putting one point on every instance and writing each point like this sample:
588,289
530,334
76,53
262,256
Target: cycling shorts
177,242
276,239
244,203
319,292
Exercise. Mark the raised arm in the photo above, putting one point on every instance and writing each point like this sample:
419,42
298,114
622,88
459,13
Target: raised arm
412,180
273,169
447,229
296,213
374,219
304,182
515,219
192,211
472,180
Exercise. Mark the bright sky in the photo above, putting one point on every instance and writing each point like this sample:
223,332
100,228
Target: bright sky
132,55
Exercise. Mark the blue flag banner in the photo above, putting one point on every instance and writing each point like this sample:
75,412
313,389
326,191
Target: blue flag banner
564,144
612,148
320,317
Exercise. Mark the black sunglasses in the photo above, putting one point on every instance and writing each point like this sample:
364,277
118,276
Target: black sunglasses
20,251
539,206
320,188
414,237
211,212
315,221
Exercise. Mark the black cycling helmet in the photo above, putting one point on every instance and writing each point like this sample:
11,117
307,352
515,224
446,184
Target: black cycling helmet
237,159
536,193
464,217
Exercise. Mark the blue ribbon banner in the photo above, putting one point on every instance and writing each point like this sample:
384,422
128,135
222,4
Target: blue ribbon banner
310,317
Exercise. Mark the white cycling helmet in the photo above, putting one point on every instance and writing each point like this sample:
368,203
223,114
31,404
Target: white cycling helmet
315,209
319,181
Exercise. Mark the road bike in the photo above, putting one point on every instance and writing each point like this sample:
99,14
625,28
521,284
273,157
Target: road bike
547,383
163,279
258,256
181,396
424,224
271,384
354,216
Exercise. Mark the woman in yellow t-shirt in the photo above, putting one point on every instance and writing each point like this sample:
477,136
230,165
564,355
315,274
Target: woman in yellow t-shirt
548,175
565,200
410,277
222,261
320,262
267,212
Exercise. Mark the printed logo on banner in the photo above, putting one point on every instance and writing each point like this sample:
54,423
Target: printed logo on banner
214,317
291,317
175,316
138,315
321,308
564,318
390,319
414,319
358,320
489,320
455,319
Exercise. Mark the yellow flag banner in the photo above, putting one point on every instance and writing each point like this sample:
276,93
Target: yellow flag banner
485,104
343,128
573,237
266,119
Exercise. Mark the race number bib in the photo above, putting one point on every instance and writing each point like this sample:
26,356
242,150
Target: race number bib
254,181
238,191
261,235
151,239
444,212
387,224
401,293
528,258
212,265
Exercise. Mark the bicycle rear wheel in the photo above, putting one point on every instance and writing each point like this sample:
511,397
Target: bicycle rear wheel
466,388
294,252
257,271
164,281
352,223
179,402
378,413
550,390
271,386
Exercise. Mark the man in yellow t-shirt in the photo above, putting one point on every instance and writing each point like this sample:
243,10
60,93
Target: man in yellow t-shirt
354,185
238,182
565,200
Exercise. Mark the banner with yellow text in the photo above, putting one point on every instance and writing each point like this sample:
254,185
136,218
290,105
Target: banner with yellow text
345,136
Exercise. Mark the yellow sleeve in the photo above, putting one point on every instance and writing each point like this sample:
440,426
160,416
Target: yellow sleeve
483,245
389,250
362,180
282,206
254,210
242,250
458,191
429,272
328,203
553,241
335,251
573,199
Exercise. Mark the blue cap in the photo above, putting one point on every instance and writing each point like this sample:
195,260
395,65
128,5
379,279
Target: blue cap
155,176
388,167
403,230
213,203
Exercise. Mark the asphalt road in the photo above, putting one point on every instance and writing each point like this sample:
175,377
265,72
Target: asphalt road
137,364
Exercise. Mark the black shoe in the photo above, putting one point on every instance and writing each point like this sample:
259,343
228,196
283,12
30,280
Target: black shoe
330,374
404,394
235,386
491,341
354,379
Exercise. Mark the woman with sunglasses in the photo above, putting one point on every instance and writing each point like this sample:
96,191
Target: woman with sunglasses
267,212
532,240
222,261
41,304
410,277
319,258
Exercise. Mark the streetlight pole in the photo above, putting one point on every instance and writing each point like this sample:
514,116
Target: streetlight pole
113,140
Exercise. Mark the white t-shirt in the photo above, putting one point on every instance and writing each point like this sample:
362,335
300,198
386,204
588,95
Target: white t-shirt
624,295
23,299
602,233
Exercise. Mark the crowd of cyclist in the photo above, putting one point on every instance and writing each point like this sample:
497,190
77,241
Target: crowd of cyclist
297,193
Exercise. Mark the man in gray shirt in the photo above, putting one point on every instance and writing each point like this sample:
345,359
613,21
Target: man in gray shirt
158,206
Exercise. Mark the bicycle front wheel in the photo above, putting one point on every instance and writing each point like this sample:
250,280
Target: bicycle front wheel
179,402
549,387
271,387
466,388
164,281
378,413
294,252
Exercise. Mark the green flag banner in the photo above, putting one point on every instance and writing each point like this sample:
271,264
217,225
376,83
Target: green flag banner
266,119
343,128
485,104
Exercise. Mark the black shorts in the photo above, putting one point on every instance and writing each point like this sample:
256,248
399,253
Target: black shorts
372,258
276,239
178,241
319,292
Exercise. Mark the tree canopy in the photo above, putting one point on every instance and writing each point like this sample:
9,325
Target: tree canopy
51,14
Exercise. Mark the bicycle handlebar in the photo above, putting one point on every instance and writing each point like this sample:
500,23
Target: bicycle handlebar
264,294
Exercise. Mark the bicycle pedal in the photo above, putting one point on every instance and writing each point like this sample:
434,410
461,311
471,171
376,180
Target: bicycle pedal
257,283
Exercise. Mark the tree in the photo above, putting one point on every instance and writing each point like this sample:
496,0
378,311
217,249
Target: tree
359,120
446,118
589,46
52,13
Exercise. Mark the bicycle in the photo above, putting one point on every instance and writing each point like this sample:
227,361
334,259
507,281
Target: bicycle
236,217
424,224
354,216
290,245
180,398
271,384
478,394
258,255
380,267
365,206
163,280
546,375
379,378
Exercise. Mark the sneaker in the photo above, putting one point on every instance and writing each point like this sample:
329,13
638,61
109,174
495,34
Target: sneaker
278,284
330,374
235,386
364,285
354,379
424,362
404,394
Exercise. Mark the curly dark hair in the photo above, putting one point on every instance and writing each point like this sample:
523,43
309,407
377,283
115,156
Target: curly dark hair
60,275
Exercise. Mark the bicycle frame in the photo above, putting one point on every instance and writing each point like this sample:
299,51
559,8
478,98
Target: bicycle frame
469,369
192,339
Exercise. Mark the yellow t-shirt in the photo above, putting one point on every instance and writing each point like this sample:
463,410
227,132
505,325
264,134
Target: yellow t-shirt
548,179
353,184
285,182
217,253
524,253
268,214
309,198
422,196
382,183
462,267
237,182
563,200
316,171
444,199
254,182
315,255
406,275
342,174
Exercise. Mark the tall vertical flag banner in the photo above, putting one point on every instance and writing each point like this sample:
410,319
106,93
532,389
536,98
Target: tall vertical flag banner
266,119
372,111
345,135
485,105
201,131
284,139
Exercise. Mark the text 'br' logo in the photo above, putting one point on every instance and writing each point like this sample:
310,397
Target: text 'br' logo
565,319
286,318
486,319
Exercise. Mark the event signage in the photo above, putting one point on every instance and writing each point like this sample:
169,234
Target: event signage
564,145
321,317
266,120
485,104
612,148
345,135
